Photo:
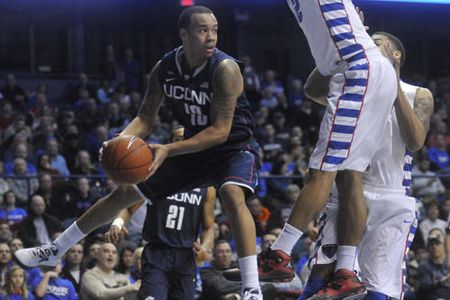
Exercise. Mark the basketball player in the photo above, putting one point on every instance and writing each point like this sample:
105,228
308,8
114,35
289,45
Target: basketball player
361,95
168,259
391,219
203,86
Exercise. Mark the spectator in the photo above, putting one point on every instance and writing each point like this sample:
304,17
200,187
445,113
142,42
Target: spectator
426,186
113,116
132,71
295,96
4,186
109,67
90,259
83,86
282,131
22,186
5,262
438,155
215,286
432,220
73,268
44,165
50,286
96,138
273,84
102,282
83,164
57,160
103,92
15,244
260,215
136,273
125,264
20,151
13,92
269,100
252,84
10,213
270,145
434,276
6,234
42,108
39,227
6,114
15,285
309,121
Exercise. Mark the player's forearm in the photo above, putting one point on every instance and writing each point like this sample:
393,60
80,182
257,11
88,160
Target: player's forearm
411,129
127,213
205,139
138,127
317,86
207,238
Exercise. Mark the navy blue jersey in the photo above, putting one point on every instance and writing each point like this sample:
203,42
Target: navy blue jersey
189,97
175,221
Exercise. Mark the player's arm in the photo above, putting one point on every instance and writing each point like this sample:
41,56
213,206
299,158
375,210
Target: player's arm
117,229
207,236
317,87
414,123
142,124
228,85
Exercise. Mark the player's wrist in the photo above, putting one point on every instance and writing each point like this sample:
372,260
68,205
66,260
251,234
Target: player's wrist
118,222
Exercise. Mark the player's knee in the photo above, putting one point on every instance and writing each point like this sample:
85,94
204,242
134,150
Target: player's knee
319,177
233,197
349,178
124,195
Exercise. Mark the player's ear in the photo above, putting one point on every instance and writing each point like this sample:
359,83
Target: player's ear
183,34
397,54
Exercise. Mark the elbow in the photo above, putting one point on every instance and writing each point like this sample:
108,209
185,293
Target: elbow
416,144
222,136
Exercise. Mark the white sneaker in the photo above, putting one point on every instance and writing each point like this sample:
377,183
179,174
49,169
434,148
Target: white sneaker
252,294
45,255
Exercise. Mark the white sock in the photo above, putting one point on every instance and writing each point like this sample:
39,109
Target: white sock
68,238
346,258
287,239
249,272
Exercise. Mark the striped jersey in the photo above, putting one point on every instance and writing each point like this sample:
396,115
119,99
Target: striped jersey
334,32
391,166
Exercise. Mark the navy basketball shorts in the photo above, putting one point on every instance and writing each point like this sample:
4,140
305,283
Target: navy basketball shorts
167,274
207,168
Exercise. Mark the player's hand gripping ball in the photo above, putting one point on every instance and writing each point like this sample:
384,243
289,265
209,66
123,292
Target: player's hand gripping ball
126,159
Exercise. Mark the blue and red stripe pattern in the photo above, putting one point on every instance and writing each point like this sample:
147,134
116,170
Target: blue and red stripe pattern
351,101
407,172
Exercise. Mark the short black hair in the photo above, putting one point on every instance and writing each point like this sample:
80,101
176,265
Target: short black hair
184,19
397,44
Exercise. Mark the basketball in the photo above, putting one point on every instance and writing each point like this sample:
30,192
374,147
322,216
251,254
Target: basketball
126,159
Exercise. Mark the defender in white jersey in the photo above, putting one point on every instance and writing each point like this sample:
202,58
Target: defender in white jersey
391,220
362,90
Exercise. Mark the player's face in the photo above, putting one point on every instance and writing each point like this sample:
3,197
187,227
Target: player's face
200,38
383,41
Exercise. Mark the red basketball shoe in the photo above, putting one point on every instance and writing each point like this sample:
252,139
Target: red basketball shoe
273,266
343,285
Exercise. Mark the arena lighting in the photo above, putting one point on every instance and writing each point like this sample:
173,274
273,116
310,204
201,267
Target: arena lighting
187,2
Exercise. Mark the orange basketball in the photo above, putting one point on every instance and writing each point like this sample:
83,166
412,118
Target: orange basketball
126,159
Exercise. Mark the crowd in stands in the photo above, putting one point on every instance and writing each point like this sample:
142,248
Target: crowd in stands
50,174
